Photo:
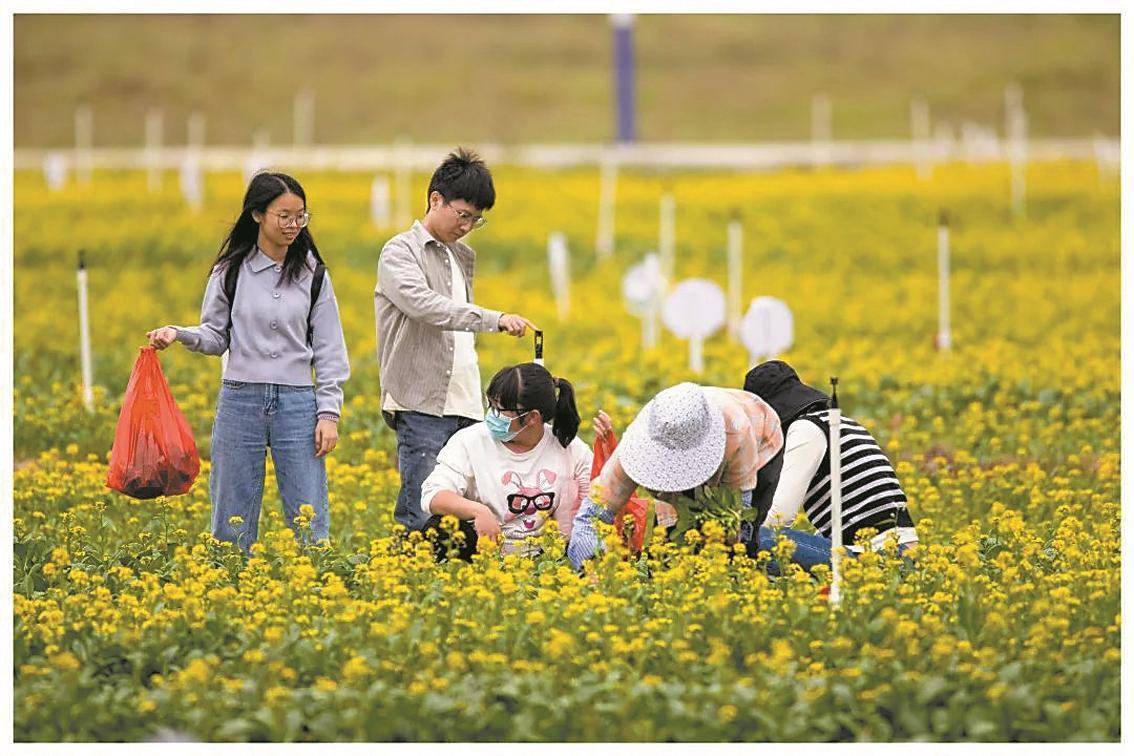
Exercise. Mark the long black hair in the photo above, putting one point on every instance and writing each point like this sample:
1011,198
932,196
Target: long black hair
241,239
529,386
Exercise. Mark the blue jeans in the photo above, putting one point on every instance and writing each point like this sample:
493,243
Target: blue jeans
810,548
420,439
252,418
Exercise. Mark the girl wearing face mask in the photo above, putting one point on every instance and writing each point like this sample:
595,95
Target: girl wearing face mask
519,468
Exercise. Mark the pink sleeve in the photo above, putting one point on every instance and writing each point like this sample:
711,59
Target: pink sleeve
581,471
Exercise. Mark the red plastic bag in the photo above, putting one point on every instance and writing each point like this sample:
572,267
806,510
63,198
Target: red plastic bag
636,507
154,454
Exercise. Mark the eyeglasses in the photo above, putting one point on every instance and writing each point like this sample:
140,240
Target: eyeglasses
286,219
518,503
477,221
491,405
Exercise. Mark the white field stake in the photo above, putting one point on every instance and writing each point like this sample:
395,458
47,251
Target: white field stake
608,188
944,329
55,171
380,201
735,282
85,334
153,149
558,259
920,136
84,139
835,420
697,355
667,222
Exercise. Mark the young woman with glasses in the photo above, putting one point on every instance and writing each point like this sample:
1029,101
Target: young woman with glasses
270,305
524,465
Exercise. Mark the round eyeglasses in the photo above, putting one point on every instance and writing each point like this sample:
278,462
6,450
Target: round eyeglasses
477,221
286,220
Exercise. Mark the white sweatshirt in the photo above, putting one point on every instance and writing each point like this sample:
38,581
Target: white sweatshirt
523,490
804,447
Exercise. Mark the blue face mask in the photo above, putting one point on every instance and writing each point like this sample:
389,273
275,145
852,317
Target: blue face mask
499,427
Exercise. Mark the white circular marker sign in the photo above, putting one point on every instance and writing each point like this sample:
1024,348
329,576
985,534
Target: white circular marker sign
767,329
695,309
643,286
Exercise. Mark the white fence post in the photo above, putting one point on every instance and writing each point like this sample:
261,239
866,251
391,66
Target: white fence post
1016,128
153,149
380,201
303,118
84,138
608,190
920,137
403,183
558,258
735,272
195,130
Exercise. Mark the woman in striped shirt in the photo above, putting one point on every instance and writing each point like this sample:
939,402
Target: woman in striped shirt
871,493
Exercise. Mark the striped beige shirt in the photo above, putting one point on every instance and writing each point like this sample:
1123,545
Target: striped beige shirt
415,315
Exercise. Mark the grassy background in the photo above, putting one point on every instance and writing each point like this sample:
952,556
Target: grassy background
529,78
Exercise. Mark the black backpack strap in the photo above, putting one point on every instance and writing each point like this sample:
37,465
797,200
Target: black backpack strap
231,273
316,287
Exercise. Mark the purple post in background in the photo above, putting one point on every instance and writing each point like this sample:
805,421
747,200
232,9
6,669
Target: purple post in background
624,73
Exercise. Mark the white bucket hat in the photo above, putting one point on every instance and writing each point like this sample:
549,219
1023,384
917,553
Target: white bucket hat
676,442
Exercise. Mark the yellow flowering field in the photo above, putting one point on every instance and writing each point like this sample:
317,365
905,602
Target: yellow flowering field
130,618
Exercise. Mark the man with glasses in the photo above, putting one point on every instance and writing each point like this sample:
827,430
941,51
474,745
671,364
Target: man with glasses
426,319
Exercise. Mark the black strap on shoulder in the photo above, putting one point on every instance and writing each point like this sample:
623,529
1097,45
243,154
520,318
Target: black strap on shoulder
316,287
232,273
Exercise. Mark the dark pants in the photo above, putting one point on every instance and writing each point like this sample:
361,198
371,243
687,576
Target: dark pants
420,439
767,480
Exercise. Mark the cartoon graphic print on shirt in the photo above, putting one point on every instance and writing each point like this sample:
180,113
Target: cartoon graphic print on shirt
528,506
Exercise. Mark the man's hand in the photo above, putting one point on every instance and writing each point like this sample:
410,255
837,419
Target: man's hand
515,325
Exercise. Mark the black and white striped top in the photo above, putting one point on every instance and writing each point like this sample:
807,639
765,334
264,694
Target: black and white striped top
872,495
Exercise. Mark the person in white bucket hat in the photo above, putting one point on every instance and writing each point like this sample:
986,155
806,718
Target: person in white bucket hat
685,437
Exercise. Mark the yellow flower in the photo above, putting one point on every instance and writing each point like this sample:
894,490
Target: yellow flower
355,668
65,661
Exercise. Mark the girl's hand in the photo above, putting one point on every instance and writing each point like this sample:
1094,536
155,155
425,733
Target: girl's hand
603,426
160,338
486,524
326,436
